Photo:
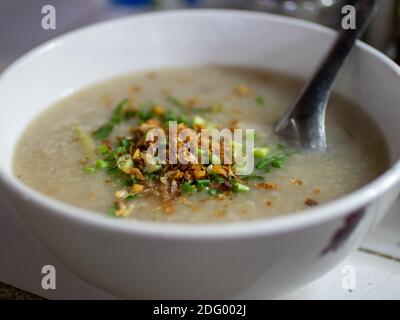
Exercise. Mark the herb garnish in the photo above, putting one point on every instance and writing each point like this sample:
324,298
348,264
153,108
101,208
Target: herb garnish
276,160
116,118
124,160
260,100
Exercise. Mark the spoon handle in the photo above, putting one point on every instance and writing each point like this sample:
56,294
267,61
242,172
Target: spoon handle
304,123
326,74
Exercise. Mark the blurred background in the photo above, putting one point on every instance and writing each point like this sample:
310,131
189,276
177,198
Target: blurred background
21,30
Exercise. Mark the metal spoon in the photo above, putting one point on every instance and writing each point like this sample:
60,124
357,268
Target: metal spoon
304,123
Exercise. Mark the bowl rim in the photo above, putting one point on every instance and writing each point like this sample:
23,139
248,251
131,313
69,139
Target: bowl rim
334,209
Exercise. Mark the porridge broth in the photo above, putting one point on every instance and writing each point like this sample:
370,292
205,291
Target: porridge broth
50,157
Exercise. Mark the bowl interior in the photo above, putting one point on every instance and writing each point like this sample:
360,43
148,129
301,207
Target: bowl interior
180,38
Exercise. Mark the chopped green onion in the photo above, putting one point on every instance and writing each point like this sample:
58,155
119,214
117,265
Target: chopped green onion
264,163
187,188
86,141
273,161
131,197
216,178
198,121
133,180
120,178
204,182
103,149
111,211
170,115
117,117
101,164
123,182
89,169
125,163
118,114
125,143
252,176
151,176
153,168
213,192
279,161
201,122
183,119
260,100
238,187
145,115
104,131
261,152
119,150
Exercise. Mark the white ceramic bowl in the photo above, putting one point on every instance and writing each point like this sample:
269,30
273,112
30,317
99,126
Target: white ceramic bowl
150,260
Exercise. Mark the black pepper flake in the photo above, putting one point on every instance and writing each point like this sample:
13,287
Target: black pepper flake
311,202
